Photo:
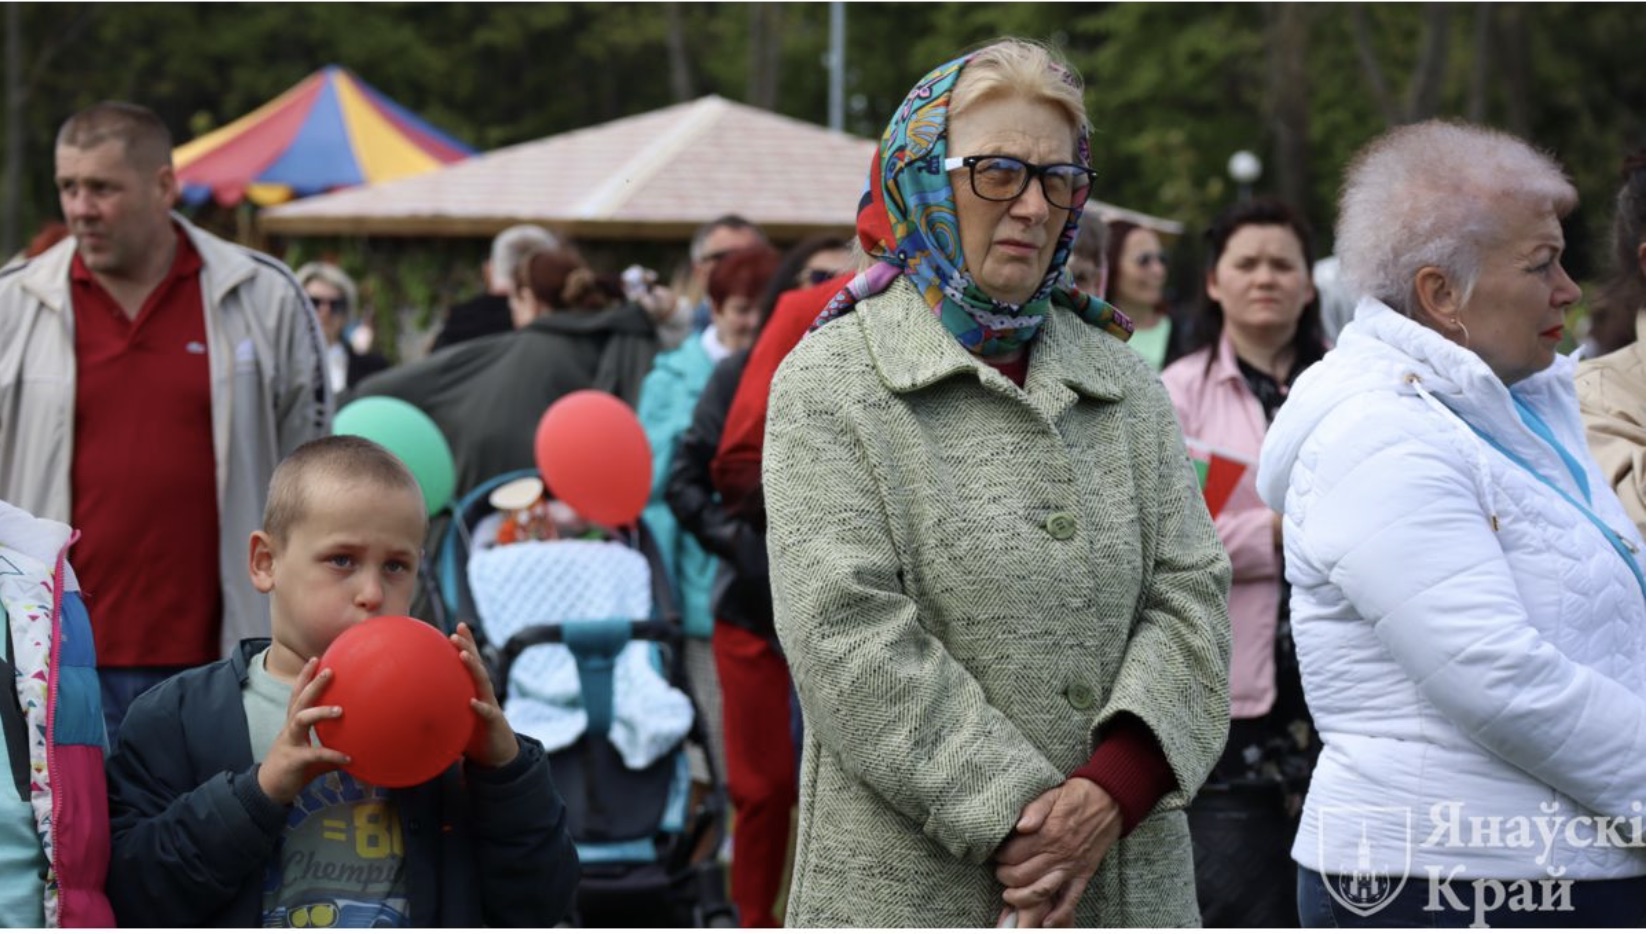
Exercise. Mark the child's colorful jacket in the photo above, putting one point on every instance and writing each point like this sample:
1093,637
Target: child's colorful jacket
58,690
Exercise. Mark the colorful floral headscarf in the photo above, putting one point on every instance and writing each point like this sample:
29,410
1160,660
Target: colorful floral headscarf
908,223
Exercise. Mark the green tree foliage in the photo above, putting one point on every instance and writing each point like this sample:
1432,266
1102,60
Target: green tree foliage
1173,89
1143,62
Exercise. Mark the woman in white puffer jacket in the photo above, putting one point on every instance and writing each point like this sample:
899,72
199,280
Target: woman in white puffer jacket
1468,594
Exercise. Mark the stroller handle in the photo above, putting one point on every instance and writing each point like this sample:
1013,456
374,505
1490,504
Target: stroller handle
667,630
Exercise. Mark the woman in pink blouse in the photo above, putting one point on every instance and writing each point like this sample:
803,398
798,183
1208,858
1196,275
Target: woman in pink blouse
1259,329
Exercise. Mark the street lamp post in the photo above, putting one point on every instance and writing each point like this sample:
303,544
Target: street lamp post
837,60
1244,167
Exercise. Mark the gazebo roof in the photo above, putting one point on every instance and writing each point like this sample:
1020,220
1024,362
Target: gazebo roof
653,176
657,175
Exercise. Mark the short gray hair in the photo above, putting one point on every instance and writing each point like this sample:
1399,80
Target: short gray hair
1429,194
510,247
335,277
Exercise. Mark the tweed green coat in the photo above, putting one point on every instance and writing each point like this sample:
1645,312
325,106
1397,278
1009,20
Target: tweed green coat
970,581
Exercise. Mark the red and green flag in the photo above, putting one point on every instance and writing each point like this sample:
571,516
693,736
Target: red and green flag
1218,473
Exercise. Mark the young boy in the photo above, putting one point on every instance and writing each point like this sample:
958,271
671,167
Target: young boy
224,812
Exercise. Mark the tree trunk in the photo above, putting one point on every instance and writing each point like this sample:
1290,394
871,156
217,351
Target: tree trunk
770,54
762,74
11,189
1482,16
1513,43
1290,110
18,90
1427,82
681,73
1358,24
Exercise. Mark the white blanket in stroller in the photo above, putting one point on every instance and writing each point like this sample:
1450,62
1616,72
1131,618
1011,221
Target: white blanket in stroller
523,584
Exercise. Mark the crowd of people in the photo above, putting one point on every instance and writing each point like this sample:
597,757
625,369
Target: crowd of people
956,604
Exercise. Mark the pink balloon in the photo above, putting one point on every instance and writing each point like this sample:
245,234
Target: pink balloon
595,457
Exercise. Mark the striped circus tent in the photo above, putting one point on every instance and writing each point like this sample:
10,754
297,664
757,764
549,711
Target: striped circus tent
330,131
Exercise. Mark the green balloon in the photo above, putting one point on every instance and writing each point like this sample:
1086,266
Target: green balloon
408,434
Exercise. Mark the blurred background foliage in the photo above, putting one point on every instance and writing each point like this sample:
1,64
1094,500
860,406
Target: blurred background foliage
1173,89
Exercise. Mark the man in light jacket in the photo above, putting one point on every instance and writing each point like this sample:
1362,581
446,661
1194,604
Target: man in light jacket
151,376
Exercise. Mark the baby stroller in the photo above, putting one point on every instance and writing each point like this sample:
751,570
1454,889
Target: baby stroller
585,649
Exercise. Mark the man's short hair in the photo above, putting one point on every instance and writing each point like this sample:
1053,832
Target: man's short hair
510,247
348,458
696,247
146,142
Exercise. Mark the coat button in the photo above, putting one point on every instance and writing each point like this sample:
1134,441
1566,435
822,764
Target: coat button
1079,696
1061,525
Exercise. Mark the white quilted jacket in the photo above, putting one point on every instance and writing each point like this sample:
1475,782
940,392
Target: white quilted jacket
1472,646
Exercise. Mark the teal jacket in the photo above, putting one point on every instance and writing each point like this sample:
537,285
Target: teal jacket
666,408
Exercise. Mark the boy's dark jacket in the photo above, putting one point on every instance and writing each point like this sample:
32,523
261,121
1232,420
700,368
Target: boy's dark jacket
193,833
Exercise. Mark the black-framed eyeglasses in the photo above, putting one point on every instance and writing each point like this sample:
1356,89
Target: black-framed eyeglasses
321,302
1146,259
1004,178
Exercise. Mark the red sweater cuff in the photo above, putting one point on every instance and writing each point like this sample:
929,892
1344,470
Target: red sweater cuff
1131,768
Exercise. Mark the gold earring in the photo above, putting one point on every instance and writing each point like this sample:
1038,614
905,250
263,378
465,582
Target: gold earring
1466,338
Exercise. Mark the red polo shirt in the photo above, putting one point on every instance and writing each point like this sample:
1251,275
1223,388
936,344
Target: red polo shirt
144,475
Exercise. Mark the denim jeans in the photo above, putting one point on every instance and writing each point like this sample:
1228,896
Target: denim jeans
1459,903
1240,845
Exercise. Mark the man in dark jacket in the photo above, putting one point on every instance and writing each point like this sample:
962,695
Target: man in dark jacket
487,395
489,313
490,845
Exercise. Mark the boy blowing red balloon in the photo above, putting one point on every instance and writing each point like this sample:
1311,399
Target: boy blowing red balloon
226,812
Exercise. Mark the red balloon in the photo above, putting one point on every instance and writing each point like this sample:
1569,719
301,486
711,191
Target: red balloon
406,700
595,457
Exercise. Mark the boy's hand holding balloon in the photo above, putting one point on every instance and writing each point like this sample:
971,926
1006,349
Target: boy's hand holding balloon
292,762
493,744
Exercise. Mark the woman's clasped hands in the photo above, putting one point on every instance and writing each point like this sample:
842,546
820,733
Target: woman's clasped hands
1055,849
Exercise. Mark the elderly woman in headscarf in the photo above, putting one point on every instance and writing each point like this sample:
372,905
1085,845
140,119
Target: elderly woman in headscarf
1001,596
1467,594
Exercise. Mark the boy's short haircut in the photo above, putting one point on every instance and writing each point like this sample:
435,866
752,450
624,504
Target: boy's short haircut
347,458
